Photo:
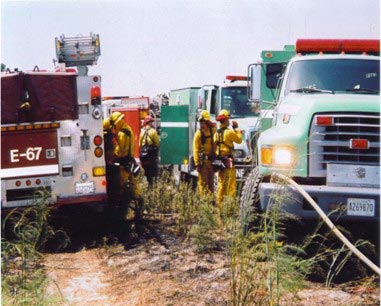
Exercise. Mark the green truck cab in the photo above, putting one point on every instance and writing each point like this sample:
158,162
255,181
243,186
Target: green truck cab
232,95
322,129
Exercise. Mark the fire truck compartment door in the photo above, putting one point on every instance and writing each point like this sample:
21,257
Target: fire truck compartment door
174,134
11,97
29,153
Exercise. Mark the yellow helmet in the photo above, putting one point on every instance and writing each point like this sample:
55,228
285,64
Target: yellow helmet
106,124
223,115
204,115
115,118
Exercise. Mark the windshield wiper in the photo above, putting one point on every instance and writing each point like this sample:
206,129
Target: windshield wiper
312,90
363,90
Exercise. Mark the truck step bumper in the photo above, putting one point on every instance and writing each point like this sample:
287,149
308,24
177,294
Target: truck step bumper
348,203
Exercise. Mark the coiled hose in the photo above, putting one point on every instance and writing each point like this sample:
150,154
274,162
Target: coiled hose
325,218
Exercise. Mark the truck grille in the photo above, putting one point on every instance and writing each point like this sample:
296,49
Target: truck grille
331,143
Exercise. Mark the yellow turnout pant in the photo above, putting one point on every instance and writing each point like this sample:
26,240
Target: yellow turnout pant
226,184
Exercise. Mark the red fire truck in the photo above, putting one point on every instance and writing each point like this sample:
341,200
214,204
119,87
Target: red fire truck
51,130
134,109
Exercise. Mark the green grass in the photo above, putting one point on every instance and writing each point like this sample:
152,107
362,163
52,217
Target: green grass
23,277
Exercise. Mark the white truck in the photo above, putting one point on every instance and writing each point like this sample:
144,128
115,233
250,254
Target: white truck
325,129
51,130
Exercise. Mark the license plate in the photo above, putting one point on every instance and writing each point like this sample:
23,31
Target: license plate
84,188
360,207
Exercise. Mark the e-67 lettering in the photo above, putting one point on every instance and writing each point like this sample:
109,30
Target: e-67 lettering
31,153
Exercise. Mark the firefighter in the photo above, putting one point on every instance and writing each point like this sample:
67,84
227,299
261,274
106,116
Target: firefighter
149,150
203,153
224,140
125,182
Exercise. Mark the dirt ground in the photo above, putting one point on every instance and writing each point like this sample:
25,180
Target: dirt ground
166,271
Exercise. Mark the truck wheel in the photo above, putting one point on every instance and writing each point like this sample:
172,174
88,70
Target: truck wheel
249,201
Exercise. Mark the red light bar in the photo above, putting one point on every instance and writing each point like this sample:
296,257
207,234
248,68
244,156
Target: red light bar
361,45
337,45
362,144
236,78
324,120
317,45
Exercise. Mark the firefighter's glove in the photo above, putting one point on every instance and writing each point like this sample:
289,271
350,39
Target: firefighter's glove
198,168
235,124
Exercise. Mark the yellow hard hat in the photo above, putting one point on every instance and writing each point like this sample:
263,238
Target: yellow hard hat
116,117
204,115
223,114
106,124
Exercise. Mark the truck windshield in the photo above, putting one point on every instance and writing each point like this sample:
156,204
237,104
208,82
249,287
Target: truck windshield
234,99
334,75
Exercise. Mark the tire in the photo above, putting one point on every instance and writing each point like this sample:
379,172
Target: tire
249,201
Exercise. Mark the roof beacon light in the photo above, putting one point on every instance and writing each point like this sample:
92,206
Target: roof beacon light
361,45
236,78
337,45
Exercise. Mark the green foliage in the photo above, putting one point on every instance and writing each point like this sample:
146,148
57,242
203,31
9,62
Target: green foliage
264,266
271,260
206,232
23,277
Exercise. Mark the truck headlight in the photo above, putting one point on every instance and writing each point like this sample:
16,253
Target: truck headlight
277,156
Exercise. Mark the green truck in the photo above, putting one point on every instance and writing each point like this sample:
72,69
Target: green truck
320,125
178,123
232,95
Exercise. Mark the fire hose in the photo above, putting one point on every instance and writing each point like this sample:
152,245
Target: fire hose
325,218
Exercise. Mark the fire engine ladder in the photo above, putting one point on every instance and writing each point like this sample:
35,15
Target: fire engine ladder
80,51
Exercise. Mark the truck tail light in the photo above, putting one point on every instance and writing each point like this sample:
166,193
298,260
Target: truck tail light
361,144
324,120
97,140
98,152
95,94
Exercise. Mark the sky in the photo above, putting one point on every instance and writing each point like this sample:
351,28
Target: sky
154,46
